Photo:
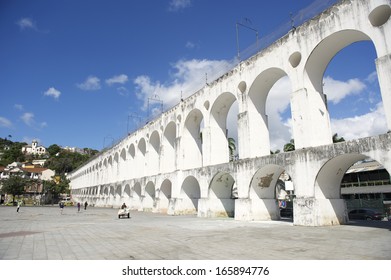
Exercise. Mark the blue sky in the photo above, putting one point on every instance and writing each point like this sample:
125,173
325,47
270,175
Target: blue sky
71,72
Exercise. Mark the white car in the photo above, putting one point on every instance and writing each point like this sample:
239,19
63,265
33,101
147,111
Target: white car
125,212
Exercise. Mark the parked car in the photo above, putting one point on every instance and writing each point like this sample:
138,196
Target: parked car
365,214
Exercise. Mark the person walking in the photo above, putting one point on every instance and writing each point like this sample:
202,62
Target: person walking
85,205
61,206
19,204
78,207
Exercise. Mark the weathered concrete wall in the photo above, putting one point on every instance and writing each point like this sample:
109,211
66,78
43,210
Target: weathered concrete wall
187,149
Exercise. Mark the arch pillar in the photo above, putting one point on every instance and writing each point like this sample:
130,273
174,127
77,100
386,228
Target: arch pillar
311,121
311,207
383,67
253,136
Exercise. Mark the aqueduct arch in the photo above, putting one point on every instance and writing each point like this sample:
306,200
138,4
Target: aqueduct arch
191,156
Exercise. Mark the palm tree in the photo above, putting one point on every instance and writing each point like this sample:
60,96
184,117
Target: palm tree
289,146
232,148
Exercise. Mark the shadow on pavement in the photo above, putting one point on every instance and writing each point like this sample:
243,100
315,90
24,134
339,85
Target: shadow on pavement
372,224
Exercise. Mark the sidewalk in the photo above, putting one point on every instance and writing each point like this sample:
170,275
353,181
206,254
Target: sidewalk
43,233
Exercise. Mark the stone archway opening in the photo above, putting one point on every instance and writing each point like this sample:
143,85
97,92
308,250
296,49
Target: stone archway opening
272,193
153,153
189,196
169,148
224,129
269,110
136,196
221,196
165,195
342,67
149,197
353,182
192,140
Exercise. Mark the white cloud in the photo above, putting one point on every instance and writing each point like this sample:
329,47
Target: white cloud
372,77
187,77
176,5
28,118
372,123
91,83
4,122
120,79
123,91
52,92
26,23
338,90
19,107
190,45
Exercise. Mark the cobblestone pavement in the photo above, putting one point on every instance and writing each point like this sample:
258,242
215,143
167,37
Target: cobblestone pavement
43,233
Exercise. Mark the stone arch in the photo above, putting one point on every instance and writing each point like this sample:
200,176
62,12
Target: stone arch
118,190
259,126
112,191
165,195
218,124
192,140
127,190
140,157
123,154
329,178
190,194
116,157
136,196
324,52
221,195
149,196
154,152
168,147
132,150
262,192
142,146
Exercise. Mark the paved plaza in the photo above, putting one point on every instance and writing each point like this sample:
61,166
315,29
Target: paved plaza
43,233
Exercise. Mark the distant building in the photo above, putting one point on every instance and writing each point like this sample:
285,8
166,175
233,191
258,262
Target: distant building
74,150
27,171
34,149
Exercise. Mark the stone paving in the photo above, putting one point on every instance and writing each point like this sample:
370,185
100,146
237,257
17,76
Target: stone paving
43,233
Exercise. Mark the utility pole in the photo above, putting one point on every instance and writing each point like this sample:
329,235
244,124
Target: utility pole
238,24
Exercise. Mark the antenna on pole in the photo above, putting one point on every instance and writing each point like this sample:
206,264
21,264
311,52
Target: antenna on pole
154,99
133,116
238,24
292,21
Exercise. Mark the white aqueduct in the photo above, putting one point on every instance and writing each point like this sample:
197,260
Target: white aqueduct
167,166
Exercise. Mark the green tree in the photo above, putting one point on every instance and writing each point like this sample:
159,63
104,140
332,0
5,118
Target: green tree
337,139
53,149
12,153
53,189
289,146
66,161
14,185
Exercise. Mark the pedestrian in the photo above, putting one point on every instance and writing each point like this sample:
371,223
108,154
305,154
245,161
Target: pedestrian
61,206
78,207
19,204
85,205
